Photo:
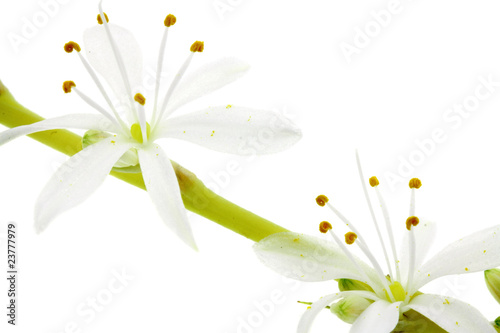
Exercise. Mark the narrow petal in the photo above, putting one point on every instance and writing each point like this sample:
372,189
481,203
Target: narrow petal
308,317
425,233
235,130
207,79
379,317
163,188
477,252
77,179
78,121
450,314
100,55
308,258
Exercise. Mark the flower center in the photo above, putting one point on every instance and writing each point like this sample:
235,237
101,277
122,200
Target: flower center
136,131
398,292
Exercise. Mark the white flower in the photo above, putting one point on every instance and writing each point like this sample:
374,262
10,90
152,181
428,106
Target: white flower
114,53
395,297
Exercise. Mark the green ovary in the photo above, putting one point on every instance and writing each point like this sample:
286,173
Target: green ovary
397,291
136,131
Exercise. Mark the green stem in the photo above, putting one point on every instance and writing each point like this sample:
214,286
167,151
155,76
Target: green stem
196,196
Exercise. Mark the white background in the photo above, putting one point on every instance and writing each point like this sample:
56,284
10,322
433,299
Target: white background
394,93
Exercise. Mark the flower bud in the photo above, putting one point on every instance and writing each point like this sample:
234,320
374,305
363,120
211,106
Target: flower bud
348,284
349,308
492,277
128,159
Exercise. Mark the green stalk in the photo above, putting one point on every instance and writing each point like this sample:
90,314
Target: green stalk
195,195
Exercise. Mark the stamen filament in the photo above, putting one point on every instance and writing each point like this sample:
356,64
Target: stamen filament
96,106
389,231
351,258
368,202
159,68
99,85
142,116
119,61
411,267
364,248
172,87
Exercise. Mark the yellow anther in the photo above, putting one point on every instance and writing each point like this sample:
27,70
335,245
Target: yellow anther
170,20
350,238
70,46
99,19
321,200
324,227
67,85
415,183
140,99
197,46
374,181
136,131
412,221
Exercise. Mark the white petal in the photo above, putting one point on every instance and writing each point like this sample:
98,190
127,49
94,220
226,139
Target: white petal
100,55
308,317
77,179
379,317
235,130
307,258
450,314
425,233
79,121
163,188
477,252
207,79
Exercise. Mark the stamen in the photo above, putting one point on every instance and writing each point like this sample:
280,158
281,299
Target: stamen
321,200
170,20
363,248
412,221
388,226
414,184
99,18
139,98
369,203
350,238
196,47
324,227
67,86
96,80
119,60
351,258
70,46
